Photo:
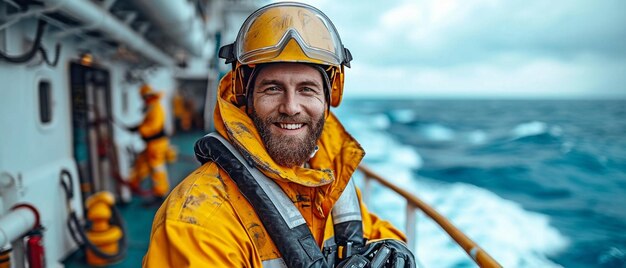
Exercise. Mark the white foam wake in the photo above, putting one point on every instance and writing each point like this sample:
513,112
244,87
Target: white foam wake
513,236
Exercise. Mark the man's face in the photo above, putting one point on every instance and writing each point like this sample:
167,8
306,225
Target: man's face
288,110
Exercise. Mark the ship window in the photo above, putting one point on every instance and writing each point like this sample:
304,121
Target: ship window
45,101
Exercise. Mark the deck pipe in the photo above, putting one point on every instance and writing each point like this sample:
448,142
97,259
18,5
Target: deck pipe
96,17
178,21
16,223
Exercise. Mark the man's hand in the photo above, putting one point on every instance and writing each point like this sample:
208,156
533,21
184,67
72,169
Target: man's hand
381,253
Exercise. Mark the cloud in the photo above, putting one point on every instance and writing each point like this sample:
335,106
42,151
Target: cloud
539,78
456,32
533,48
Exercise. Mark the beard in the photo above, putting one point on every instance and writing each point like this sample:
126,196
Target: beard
287,150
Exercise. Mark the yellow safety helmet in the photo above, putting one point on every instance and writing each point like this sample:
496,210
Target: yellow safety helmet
146,92
287,32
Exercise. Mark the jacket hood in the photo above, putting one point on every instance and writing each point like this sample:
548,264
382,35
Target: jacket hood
338,150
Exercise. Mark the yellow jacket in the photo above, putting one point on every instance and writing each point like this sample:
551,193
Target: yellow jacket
206,222
153,123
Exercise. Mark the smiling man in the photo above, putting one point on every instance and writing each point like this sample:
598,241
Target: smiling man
275,187
288,110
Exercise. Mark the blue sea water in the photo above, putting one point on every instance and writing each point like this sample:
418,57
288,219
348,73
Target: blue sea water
535,183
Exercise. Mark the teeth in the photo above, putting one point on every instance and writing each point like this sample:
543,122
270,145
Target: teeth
290,126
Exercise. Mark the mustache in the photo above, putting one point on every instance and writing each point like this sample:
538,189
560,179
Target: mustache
290,119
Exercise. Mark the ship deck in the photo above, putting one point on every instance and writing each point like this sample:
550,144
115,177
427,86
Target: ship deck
138,217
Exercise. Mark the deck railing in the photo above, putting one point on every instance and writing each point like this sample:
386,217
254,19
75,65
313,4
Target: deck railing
480,257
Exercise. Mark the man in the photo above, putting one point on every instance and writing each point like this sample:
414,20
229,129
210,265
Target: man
275,187
151,161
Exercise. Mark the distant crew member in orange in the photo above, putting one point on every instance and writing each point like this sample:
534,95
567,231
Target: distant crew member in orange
152,161
182,111
276,187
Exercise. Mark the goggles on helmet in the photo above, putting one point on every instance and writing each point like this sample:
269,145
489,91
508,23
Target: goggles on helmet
268,35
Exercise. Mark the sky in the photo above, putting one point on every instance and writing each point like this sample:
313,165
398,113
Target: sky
483,48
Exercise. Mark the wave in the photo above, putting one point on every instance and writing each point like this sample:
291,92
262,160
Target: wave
425,134
476,137
520,140
437,133
375,121
584,160
513,236
402,116
535,128
613,257
382,148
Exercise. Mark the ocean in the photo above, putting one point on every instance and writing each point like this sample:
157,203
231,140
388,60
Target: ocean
536,183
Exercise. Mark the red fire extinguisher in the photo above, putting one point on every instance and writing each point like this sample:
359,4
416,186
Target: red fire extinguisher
34,249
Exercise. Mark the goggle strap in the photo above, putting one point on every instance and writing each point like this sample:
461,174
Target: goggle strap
240,96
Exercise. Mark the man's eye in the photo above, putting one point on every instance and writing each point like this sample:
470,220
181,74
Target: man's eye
271,89
308,90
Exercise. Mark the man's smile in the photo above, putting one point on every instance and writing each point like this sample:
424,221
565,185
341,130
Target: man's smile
284,128
290,126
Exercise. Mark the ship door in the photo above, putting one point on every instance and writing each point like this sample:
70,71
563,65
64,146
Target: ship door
94,149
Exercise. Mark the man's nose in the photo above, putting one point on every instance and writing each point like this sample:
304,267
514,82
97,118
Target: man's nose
290,105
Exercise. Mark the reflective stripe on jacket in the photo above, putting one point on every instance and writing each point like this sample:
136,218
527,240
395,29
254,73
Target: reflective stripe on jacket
206,222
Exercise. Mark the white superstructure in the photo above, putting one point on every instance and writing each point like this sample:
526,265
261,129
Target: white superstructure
66,113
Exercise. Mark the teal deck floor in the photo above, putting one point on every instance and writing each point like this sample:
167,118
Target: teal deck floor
138,217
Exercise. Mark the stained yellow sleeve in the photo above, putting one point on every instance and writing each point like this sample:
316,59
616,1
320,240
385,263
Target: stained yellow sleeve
180,244
198,227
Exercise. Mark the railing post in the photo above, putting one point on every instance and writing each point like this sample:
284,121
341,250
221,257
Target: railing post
411,225
366,188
